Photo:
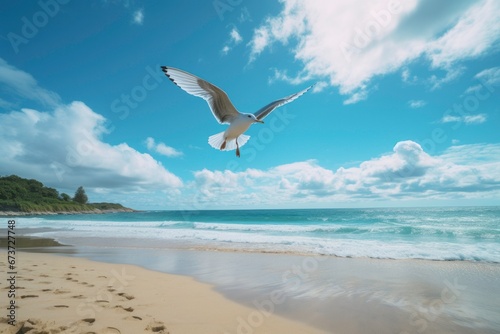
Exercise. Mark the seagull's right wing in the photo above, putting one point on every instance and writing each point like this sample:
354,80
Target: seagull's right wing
217,99
263,112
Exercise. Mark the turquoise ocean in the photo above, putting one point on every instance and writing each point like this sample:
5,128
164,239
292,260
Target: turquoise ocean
441,234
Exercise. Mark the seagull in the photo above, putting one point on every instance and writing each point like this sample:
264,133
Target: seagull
223,110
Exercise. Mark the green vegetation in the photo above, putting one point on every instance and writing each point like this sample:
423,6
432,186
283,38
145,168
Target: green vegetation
23,195
80,196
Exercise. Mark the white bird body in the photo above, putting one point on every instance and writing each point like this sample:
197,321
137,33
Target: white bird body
238,126
223,110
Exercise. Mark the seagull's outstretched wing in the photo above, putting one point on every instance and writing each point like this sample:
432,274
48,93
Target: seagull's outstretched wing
263,112
217,99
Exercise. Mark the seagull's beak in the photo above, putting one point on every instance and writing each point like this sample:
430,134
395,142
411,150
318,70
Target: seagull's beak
259,121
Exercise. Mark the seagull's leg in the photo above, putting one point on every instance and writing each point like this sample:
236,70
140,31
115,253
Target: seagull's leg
223,146
237,148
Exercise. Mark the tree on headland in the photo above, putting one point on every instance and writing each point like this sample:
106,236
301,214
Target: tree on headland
65,197
80,196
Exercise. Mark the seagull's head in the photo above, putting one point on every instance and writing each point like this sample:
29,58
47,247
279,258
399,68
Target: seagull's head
253,119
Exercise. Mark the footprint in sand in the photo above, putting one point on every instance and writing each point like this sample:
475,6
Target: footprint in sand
126,295
29,296
60,292
89,321
43,275
102,301
61,306
46,290
78,296
128,309
110,330
157,327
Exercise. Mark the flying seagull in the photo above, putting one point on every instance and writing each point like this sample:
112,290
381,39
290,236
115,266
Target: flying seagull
223,110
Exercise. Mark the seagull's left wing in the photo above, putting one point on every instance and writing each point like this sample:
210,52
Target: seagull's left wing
263,112
220,105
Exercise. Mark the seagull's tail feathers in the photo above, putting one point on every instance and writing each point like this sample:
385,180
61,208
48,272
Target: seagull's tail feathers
217,140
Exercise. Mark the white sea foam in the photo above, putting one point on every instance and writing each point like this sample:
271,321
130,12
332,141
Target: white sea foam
393,239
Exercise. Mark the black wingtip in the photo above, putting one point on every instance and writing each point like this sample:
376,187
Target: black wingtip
165,70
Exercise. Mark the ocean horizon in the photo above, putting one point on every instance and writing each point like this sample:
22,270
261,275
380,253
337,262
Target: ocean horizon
435,233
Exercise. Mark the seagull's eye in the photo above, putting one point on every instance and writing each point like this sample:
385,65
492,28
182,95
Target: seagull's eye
249,116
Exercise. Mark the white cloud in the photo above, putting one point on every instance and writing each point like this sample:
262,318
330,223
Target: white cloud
416,103
467,119
490,76
22,86
406,173
477,29
161,148
451,74
259,42
235,36
63,147
319,87
348,43
138,17
234,39
225,50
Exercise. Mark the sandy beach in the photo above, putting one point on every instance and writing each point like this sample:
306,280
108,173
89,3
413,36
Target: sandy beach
243,293
58,294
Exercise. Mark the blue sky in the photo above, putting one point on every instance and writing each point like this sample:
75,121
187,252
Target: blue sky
405,110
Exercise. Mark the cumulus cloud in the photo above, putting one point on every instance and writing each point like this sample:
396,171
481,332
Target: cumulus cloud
64,147
161,148
406,173
348,43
